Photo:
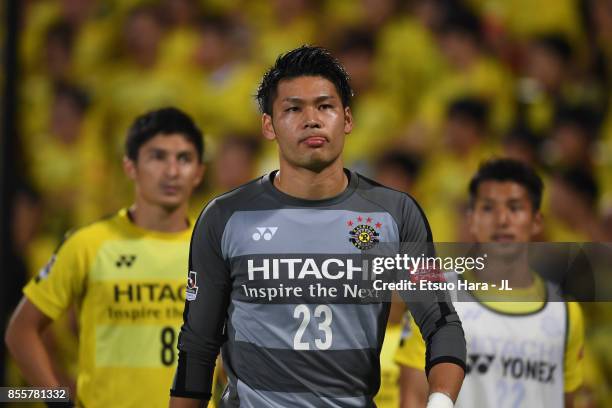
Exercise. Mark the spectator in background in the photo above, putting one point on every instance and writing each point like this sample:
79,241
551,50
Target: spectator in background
549,62
398,170
380,116
142,34
219,80
137,79
549,83
466,143
573,138
518,20
573,206
234,164
138,82
377,13
59,44
92,24
472,73
522,145
69,146
58,66
181,17
281,25
598,26
408,61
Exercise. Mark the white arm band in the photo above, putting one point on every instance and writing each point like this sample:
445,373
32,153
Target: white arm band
439,400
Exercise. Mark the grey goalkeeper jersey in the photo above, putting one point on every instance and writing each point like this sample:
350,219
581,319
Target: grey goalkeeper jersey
279,284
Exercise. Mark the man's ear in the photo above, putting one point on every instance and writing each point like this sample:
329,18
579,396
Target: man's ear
470,221
129,167
200,174
348,120
267,127
538,224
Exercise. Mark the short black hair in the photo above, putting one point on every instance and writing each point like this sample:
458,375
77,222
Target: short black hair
247,142
221,25
408,163
522,134
162,121
356,40
63,33
555,43
461,20
474,109
583,117
306,60
582,182
509,170
77,96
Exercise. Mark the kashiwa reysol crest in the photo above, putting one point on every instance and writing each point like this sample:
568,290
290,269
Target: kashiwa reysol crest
364,235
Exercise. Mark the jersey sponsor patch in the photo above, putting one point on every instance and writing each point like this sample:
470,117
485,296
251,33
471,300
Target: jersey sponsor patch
363,235
192,286
44,271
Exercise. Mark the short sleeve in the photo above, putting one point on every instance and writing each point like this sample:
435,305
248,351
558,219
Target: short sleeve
61,280
574,352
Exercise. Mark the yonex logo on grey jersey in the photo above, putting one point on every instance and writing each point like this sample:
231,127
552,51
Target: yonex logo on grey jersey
264,232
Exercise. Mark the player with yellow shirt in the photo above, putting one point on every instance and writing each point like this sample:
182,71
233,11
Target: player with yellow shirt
520,353
125,274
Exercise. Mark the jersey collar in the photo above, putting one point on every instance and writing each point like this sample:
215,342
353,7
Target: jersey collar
268,183
127,225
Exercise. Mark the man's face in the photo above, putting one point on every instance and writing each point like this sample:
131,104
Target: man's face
233,166
502,213
545,67
167,170
309,122
391,175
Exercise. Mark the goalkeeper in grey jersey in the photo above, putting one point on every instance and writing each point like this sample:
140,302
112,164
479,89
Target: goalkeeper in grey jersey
275,263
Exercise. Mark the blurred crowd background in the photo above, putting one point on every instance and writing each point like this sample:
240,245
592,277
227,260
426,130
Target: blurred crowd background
439,86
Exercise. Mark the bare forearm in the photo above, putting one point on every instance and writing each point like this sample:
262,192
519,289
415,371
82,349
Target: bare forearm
27,348
569,399
25,342
446,378
413,387
178,402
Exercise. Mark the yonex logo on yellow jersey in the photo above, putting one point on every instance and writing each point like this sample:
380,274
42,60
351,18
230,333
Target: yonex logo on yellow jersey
126,260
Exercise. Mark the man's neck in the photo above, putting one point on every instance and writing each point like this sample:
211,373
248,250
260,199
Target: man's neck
156,218
309,185
517,271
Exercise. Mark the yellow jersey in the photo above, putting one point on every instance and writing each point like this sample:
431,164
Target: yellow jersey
129,286
388,394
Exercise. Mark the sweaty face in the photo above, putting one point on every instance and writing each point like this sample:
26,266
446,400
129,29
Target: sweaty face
309,122
167,170
503,214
